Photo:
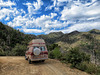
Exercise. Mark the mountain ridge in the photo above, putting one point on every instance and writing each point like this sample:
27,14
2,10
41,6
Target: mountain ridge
11,39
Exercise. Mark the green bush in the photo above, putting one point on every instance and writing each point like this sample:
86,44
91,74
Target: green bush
74,56
51,55
2,53
55,54
87,67
91,68
19,50
82,66
52,47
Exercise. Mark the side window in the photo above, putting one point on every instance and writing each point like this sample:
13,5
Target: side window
42,48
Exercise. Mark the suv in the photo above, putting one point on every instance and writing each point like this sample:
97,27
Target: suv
37,51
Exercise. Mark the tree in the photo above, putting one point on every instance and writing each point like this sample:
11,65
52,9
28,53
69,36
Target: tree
19,50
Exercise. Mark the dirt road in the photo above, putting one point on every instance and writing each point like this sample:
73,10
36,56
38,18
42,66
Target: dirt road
19,66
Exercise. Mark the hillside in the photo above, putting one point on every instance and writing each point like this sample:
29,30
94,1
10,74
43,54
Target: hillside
10,37
12,41
51,37
88,42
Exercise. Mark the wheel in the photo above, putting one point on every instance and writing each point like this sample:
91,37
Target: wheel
43,60
26,58
29,61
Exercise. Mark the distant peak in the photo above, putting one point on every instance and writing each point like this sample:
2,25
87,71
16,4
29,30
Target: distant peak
95,31
74,32
56,32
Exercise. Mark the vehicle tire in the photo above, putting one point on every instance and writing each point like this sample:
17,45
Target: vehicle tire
43,60
26,58
29,61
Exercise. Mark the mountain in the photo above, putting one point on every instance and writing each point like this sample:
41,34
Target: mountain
51,37
94,31
88,42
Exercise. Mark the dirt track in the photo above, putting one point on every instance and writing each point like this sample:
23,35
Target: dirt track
19,66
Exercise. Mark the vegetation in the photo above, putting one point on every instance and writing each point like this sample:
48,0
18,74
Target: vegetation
74,56
55,54
19,50
78,59
13,42
9,38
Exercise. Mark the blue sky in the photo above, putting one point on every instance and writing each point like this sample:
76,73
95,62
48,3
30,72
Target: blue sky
45,16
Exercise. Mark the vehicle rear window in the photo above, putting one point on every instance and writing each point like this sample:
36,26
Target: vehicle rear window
36,47
42,48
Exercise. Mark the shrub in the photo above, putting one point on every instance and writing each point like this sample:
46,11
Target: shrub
82,66
89,68
55,53
19,50
74,56
51,55
52,47
2,53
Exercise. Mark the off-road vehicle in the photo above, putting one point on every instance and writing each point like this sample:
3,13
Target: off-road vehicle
37,51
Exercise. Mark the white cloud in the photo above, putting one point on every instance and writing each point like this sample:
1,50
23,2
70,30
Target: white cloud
7,18
44,19
7,3
34,7
81,12
81,17
53,15
57,9
51,6
18,21
32,31
85,26
47,32
5,12
46,23
8,13
38,4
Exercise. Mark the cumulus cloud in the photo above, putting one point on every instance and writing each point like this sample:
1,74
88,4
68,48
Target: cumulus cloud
86,26
29,31
74,15
7,3
51,6
83,17
80,12
5,12
34,7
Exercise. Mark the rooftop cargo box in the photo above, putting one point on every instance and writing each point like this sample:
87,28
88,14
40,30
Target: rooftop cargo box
36,42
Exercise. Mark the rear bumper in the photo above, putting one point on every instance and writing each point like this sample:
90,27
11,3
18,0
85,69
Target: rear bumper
39,59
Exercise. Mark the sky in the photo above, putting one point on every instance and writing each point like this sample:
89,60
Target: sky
46,16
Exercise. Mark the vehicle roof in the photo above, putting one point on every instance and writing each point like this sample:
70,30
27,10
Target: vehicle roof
37,42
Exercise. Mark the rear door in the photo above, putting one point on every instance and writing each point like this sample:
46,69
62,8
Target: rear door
44,52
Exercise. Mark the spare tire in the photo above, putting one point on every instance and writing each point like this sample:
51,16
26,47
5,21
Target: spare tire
36,51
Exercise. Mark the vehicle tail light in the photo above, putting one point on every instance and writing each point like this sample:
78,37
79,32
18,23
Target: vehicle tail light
32,54
46,52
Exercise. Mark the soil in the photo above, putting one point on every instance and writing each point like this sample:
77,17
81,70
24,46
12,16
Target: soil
19,66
